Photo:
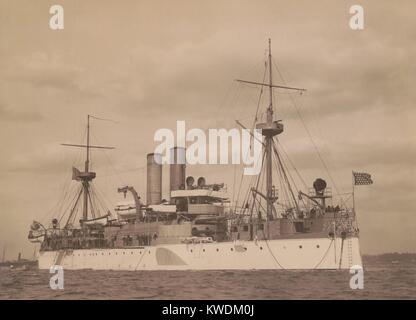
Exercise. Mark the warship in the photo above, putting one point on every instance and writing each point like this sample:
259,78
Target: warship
199,227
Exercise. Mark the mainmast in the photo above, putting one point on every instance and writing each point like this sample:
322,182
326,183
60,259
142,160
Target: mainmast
269,129
269,142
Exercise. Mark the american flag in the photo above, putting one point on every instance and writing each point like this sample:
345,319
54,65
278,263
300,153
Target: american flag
361,178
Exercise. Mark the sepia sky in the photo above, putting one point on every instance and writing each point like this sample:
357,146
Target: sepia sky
146,64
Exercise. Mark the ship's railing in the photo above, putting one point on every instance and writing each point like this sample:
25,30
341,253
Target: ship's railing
327,192
189,240
344,226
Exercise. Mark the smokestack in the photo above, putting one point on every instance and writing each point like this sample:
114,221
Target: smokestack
154,178
177,168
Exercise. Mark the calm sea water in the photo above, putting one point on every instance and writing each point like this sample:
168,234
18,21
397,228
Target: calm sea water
382,280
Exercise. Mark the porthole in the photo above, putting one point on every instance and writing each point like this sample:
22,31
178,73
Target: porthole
300,247
232,249
261,248
317,246
191,250
149,251
203,250
218,249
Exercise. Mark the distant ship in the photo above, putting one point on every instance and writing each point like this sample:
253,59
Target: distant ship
19,264
199,228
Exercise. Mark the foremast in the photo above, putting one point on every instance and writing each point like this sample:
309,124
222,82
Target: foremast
85,177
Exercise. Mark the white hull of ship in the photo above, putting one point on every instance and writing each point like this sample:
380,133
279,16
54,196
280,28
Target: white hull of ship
300,254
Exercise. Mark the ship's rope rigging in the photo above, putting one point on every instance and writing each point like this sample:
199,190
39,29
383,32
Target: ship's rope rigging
67,207
280,168
299,114
68,188
281,156
325,254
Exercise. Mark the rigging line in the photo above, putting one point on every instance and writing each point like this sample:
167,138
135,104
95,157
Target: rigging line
104,119
110,162
307,131
74,206
99,204
285,176
281,187
102,199
73,212
286,198
288,172
57,207
275,102
227,94
67,200
242,179
315,122
245,202
71,203
252,178
241,184
256,119
270,250
234,181
66,194
285,195
237,93
246,197
124,171
256,201
92,209
260,199
66,185
291,163
95,204
260,206
282,181
140,260
259,116
260,95
257,185
325,254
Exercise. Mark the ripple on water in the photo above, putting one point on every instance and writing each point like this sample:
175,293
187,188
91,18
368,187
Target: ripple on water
381,281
